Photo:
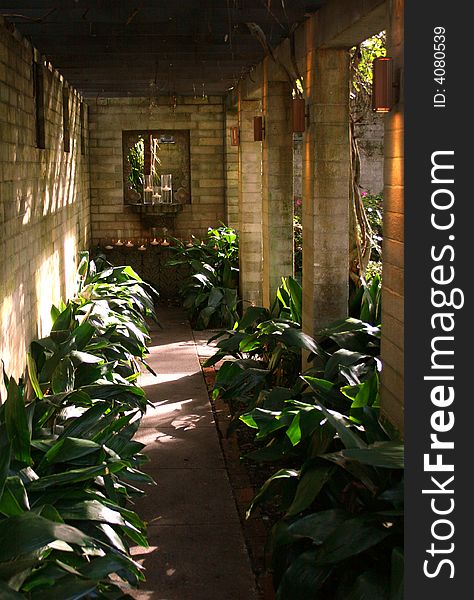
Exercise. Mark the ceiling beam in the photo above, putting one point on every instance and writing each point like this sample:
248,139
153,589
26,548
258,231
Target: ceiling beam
120,47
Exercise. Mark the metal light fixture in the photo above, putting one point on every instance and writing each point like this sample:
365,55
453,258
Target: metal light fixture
234,136
299,115
382,84
258,129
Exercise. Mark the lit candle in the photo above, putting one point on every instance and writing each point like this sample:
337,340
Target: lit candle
109,247
119,243
129,244
154,242
165,243
142,247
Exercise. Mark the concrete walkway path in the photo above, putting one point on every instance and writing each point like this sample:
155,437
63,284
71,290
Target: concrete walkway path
197,549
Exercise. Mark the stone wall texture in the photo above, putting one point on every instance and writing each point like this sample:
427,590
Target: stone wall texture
393,295
203,117
44,201
370,137
231,171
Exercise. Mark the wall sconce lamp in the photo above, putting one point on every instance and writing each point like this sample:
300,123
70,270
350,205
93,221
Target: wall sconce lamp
258,129
382,85
300,115
234,136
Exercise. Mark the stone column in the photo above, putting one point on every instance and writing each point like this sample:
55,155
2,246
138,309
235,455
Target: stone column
250,206
326,167
277,187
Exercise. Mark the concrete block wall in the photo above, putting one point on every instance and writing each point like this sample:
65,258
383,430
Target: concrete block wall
44,201
205,121
393,249
370,137
298,171
231,171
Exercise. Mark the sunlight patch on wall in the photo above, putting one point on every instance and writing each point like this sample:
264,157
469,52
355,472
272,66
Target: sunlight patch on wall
12,332
47,291
71,195
70,252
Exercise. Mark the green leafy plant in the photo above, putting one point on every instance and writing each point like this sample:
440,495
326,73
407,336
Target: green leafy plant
136,159
338,483
298,242
69,466
373,204
366,302
267,346
341,531
210,294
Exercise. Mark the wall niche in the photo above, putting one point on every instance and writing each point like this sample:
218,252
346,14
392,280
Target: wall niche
150,154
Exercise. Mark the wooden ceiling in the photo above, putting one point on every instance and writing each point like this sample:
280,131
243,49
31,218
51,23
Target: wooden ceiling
113,48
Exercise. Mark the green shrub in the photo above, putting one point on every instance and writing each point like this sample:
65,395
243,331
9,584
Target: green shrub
210,294
339,481
68,464
266,346
341,497
373,204
366,301
298,243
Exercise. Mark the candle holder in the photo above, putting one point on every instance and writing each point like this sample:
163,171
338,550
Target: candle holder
148,190
119,241
167,188
154,238
157,196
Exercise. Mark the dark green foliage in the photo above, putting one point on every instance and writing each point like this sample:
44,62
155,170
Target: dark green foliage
210,294
373,205
339,482
366,301
267,350
298,243
342,499
69,467
136,159
266,345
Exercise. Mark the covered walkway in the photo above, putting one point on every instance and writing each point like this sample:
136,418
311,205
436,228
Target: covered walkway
197,549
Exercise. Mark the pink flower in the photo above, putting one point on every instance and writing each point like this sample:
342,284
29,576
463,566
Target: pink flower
364,194
298,202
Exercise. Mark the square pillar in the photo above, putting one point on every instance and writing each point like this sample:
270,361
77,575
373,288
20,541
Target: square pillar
326,184
277,188
250,206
